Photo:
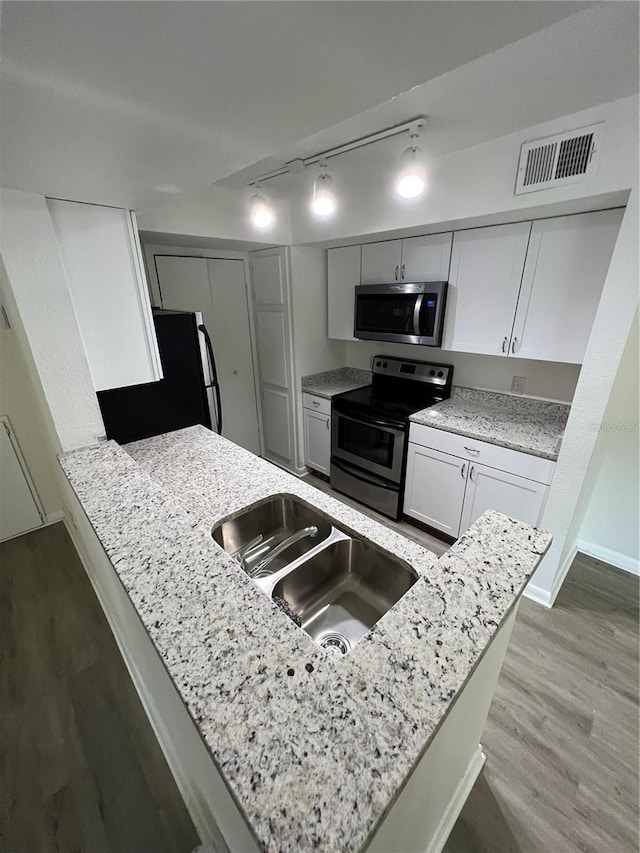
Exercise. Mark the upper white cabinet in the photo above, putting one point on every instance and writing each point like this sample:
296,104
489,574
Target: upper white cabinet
426,258
414,259
567,263
102,260
381,262
484,282
343,274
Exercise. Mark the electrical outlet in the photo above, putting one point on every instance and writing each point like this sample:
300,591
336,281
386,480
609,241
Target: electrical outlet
517,384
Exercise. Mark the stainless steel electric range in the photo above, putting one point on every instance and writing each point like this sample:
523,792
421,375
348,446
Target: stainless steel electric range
370,429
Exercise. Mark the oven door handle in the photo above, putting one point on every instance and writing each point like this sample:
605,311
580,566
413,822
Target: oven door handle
394,426
416,315
352,473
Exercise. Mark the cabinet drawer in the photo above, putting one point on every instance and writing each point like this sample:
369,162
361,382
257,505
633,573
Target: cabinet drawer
502,458
316,404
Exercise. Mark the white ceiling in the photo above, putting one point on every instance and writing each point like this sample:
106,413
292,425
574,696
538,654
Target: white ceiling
124,103
587,59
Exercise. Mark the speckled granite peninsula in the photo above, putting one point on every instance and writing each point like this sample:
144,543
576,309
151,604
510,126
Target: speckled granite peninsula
531,426
314,749
333,382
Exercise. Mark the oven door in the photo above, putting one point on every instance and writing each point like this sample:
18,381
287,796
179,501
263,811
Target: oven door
372,444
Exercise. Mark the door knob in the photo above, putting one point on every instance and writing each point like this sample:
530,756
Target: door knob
235,372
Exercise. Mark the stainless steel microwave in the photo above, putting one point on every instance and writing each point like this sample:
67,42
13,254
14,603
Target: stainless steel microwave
411,313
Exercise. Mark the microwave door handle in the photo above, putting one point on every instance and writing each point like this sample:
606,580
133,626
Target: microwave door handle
416,315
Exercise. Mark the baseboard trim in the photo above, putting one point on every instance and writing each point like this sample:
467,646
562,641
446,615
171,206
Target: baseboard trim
547,597
457,801
608,555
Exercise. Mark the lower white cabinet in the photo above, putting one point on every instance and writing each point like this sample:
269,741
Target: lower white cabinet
449,491
434,488
317,434
488,488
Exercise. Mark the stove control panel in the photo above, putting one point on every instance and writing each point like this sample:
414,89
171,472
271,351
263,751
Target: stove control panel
419,371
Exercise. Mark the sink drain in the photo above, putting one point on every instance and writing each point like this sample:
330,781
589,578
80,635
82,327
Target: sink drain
336,643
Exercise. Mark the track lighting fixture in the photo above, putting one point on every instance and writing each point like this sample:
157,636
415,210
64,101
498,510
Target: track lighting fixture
323,202
411,180
260,211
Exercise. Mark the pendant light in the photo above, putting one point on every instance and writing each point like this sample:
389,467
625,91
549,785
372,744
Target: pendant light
260,211
411,180
324,201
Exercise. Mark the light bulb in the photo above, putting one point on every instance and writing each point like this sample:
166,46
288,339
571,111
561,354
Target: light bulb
260,212
324,199
411,180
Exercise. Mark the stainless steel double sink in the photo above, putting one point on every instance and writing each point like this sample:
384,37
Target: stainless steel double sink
330,582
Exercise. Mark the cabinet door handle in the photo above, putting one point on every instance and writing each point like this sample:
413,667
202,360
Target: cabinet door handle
397,268
471,449
462,470
471,475
402,272
315,403
513,345
328,423
504,344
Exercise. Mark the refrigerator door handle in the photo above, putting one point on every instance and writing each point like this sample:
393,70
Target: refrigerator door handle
214,376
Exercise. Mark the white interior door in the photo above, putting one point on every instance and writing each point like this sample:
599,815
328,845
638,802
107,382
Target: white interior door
18,509
567,264
484,281
273,341
216,287
516,497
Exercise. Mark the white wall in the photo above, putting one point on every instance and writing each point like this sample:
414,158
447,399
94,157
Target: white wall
571,488
610,528
216,212
491,373
473,186
41,311
313,351
19,403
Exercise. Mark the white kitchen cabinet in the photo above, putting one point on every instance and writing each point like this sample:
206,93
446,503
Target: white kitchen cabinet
449,489
343,274
565,270
434,488
381,262
102,261
426,258
488,488
317,440
484,282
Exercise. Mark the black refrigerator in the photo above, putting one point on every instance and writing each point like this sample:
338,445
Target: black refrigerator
188,394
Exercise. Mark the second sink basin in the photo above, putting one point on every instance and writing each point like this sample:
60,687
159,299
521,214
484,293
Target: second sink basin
341,591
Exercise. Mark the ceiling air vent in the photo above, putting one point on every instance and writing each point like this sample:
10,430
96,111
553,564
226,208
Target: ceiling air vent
558,160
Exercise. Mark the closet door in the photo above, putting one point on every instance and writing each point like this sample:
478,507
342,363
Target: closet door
217,288
271,305
567,264
484,281
18,509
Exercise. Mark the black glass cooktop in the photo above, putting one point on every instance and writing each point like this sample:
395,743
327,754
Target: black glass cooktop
399,406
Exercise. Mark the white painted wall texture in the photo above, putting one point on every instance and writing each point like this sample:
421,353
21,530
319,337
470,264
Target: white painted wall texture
45,320
571,489
610,529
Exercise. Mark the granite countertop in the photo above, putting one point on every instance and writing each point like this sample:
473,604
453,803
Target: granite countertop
519,423
333,382
313,748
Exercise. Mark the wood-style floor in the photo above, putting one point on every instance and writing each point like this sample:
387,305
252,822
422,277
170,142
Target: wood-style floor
81,771
80,768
